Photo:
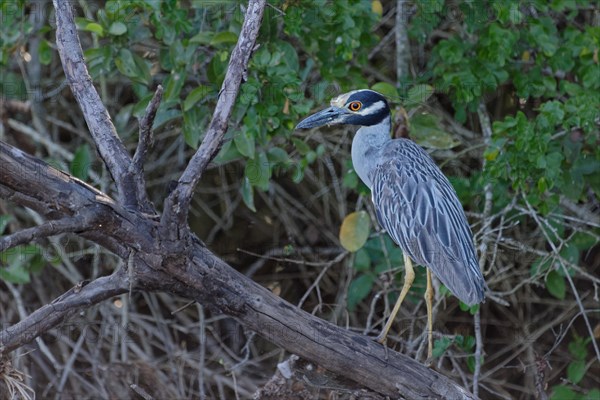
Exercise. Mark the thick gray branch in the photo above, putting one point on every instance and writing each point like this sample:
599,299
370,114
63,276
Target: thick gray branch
109,145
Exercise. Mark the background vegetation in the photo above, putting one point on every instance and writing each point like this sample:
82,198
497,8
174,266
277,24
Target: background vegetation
505,95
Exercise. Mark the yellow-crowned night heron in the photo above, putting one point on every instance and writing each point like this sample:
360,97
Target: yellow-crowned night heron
414,201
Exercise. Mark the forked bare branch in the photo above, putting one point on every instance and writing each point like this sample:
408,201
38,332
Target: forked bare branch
177,204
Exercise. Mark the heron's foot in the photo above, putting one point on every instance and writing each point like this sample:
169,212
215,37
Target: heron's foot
381,339
428,361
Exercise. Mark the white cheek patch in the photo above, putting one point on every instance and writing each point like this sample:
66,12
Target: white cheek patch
340,100
372,109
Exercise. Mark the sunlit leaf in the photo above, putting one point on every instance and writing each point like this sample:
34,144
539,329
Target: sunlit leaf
95,28
224,37
355,230
377,7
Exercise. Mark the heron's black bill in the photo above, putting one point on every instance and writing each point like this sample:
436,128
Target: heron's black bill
327,116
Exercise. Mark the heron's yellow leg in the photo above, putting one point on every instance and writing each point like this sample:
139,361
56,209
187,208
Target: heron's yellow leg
429,301
409,277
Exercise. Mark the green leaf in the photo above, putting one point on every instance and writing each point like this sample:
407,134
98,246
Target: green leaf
244,141
277,155
194,97
556,285
583,241
125,63
471,309
427,131
202,38
471,363
570,253
350,180
223,37
301,146
360,287
362,261
15,273
117,28
248,194
20,260
418,95
45,52
576,371
562,392
440,346
386,89
258,171
173,85
355,230
578,348
163,116
95,28
81,162
133,66
593,394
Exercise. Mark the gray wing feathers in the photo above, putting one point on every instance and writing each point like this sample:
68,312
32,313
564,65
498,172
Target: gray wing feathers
420,210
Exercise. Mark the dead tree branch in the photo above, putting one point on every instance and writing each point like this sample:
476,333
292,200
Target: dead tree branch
50,228
103,132
144,143
51,315
177,204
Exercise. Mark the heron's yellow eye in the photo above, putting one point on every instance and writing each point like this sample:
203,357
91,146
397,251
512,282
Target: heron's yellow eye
355,106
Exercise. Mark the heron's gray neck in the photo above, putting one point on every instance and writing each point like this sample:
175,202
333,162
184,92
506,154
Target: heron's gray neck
366,146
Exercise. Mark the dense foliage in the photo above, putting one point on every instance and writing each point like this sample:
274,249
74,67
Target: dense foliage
504,94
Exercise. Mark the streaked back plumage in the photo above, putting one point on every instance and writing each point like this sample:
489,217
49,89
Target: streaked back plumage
418,207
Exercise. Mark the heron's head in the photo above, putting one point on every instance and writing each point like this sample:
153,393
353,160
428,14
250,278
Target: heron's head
360,107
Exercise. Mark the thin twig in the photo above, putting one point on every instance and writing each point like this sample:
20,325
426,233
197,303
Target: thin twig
402,43
52,314
145,141
50,228
486,129
567,276
145,395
